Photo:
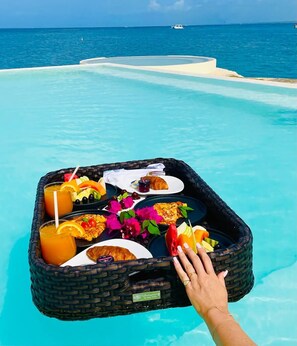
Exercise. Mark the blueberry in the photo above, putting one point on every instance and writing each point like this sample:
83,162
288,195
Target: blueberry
77,201
91,198
85,200
217,247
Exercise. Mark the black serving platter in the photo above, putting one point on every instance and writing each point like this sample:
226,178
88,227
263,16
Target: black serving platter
111,191
158,247
195,216
105,235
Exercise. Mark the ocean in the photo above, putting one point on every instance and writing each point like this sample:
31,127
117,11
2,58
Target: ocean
252,50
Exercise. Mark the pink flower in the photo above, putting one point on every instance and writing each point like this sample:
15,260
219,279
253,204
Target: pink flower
132,227
127,202
112,222
148,213
114,206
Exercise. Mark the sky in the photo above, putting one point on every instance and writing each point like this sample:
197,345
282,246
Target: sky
114,13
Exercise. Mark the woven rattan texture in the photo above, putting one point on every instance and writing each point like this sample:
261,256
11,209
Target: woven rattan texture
84,292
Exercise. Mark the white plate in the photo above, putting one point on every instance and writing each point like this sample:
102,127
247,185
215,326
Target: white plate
175,186
81,259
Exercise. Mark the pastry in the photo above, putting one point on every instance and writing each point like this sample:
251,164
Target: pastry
156,183
117,252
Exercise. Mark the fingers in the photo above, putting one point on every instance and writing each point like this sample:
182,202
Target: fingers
187,265
221,277
205,259
180,272
195,260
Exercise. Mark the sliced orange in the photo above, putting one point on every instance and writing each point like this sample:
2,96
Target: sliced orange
71,228
183,238
94,185
200,234
70,186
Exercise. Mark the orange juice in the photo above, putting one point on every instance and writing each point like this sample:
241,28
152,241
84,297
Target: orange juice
65,204
56,248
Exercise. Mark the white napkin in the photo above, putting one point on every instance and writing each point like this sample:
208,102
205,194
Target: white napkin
123,177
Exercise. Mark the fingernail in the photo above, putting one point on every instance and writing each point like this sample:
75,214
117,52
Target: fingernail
175,259
179,249
186,245
199,246
225,273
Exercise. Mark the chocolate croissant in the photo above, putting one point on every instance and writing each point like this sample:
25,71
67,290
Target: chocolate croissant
117,252
157,183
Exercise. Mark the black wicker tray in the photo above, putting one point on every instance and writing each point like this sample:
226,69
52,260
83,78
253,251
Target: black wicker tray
102,290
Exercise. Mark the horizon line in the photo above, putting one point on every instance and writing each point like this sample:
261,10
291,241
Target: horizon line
142,26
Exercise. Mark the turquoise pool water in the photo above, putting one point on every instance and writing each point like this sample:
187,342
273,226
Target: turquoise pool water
240,137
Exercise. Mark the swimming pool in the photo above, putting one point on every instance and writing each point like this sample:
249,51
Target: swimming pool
159,60
240,137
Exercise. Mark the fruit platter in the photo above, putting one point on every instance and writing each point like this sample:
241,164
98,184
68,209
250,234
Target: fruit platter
118,226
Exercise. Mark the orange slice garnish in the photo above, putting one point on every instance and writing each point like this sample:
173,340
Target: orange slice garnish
71,228
70,186
94,185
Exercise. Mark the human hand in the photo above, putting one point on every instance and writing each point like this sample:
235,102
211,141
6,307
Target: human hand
205,289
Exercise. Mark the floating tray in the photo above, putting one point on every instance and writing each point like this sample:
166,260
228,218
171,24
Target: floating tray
101,290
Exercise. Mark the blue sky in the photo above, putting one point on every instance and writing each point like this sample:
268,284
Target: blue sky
106,13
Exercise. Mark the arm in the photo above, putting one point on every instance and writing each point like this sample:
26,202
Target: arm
207,293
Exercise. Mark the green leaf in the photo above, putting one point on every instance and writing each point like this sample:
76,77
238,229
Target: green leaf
85,219
124,195
184,213
145,224
131,213
184,210
153,228
122,217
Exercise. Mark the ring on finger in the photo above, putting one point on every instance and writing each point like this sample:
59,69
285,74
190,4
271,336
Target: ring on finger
192,273
185,282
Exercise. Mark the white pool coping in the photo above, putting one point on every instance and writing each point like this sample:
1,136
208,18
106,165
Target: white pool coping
216,75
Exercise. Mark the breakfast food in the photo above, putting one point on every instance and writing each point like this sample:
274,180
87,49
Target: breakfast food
156,183
83,190
170,212
92,224
117,252
178,236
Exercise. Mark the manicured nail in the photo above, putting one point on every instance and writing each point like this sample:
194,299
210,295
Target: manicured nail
179,248
225,273
175,259
199,246
186,245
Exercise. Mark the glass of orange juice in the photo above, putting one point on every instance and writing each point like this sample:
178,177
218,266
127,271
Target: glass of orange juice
65,204
56,248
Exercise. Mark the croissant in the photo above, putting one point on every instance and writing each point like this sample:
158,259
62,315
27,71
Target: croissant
117,252
157,183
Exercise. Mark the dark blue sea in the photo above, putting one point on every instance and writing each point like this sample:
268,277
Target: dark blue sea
253,50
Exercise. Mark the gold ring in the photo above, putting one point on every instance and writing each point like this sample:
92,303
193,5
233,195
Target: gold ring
190,275
185,282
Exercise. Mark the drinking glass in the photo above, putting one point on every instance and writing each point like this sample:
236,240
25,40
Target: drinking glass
65,204
56,248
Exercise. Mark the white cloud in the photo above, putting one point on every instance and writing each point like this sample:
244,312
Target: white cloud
154,5
177,5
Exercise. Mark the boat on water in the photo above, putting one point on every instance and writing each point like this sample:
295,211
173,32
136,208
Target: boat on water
177,26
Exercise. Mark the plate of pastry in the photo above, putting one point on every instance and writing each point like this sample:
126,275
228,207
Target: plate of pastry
108,251
152,185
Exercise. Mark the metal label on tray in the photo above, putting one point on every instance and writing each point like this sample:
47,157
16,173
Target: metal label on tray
145,296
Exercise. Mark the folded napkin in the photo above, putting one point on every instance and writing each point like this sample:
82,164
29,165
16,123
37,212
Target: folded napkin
123,177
